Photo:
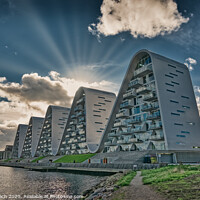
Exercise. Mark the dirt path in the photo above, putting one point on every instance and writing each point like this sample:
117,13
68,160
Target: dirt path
136,191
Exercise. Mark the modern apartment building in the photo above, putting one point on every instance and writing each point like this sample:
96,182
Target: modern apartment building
8,152
52,130
32,137
155,108
87,121
19,140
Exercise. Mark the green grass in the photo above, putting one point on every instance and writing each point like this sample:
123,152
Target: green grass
175,182
7,160
77,158
37,159
126,180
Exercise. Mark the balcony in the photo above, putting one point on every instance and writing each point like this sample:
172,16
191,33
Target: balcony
123,142
81,113
127,104
82,125
157,137
146,69
81,101
71,129
73,122
78,108
128,132
135,121
139,129
149,107
112,134
156,126
120,124
123,114
136,83
81,132
150,97
143,90
73,116
129,94
135,140
109,143
155,115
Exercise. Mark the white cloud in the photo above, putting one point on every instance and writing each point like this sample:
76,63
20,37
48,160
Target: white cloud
2,79
197,94
32,96
190,62
145,18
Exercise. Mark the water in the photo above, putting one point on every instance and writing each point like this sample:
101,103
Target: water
16,181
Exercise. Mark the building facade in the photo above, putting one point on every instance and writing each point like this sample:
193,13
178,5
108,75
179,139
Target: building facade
155,108
52,130
7,154
87,121
19,140
32,137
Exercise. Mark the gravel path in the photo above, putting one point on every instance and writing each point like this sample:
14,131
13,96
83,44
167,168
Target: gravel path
137,191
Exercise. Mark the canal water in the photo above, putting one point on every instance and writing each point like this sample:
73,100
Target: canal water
23,183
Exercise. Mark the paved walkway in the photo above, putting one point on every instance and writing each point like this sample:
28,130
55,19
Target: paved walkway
137,191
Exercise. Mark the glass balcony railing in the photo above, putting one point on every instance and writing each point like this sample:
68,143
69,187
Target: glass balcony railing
109,143
78,108
120,124
129,94
143,90
80,101
135,140
112,134
73,116
135,83
155,115
146,69
123,114
149,107
156,126
139,129
127,104
156,137
123,142
135,120
150,97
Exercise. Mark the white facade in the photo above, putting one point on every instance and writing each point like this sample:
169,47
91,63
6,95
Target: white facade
19,140
155,108
52,130
87,121
32,137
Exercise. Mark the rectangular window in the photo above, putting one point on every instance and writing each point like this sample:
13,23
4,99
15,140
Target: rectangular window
185,132
169,76
172,91
101,97
179,72
97,105
169,84
107,100
181,111
185,97
96,111
173,101
173,74
102,109
175,114
180,136
99,131
98,122
171,66
175,83
97,115
177,124
101,103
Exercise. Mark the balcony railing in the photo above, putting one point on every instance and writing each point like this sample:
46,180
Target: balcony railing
123,142
82,100
148,107
135,140
128,132
135,83
112,134
129,94
146,69
135,121
155,115
73,116
109,143
156,126
78,108
123,114
156,137
143,90
120,124
127,104
139,129
150,97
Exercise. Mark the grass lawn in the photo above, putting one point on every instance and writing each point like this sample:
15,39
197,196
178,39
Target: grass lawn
126,180
175,182
37,159
77,158
7,160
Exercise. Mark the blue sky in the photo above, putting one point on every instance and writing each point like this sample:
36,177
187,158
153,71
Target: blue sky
59,45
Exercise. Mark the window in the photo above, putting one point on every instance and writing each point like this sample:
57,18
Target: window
130,111
96,111
191,123
171,66
97,105
175,83
175,114
172,91
185,132
101,103
177,124
179,71
180,136
99,131
169,84
107,100
173,74
173,101
98,123
102,109
169,76
185,97
144,79
137,110
185,107
180,143
101,97
97,115
181,111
